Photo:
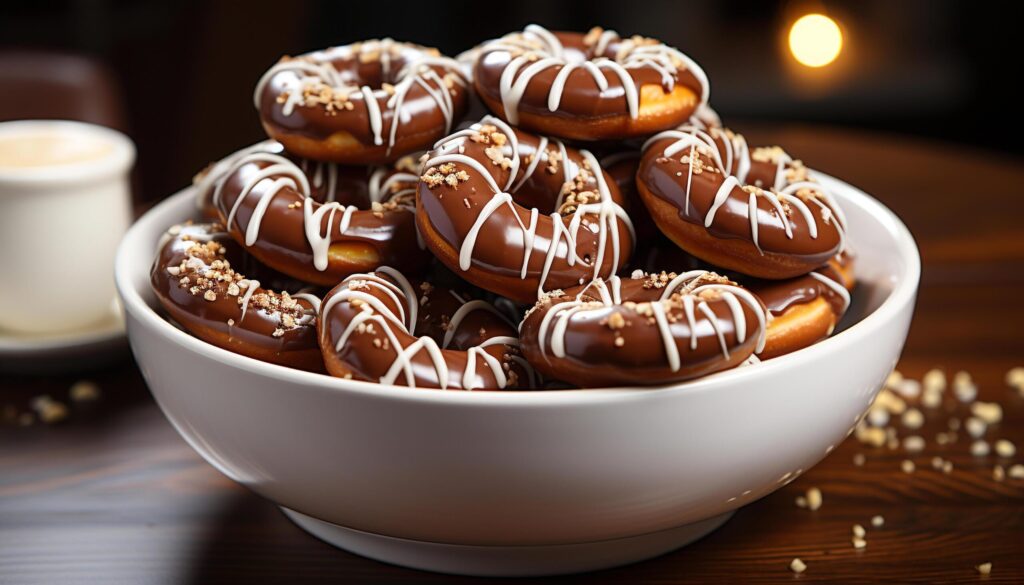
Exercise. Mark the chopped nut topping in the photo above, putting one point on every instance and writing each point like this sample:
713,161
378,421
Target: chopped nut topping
797,566
84,391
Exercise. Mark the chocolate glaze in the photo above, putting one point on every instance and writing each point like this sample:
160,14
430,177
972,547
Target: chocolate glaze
779,295
381,327
411,85
299,241
448,212
775,182
643,62
795,304
274,327
652,329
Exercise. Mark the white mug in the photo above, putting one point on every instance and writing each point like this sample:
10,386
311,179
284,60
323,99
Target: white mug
64,204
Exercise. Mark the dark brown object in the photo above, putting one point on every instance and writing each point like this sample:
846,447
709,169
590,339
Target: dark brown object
683,196
195,279
547,194
655,329
324,125
585,111
45,85
115,495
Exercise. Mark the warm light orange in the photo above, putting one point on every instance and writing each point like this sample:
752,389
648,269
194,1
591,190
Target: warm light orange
815,40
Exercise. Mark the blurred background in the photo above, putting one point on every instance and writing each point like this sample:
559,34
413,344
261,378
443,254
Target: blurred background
178,76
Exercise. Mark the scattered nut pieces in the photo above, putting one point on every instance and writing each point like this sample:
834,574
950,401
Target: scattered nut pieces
975,427
989,412
49,410
909,388
896,377
1016,471
877,521
914,444
814,498
801,501
964,388
873,436
998,473
980,448
935,380
878,417
912,418
937,463
931,399
907,466
859,459
1005,448
859,531
859,543
984,568
84,391
947,467
797,566
1015,379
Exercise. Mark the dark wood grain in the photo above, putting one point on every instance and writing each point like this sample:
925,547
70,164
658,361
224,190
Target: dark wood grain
114,496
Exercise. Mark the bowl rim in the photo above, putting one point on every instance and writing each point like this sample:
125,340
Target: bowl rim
903,293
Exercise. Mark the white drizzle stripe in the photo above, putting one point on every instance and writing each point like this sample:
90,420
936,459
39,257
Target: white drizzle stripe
751,301
408,292
460,314
249,290
837,288
713,319
671,351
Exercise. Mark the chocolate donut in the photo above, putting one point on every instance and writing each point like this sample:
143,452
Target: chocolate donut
517,214
597,86
273,207
348,185
194,280
365,103
377,327
806,309
606,333
756,212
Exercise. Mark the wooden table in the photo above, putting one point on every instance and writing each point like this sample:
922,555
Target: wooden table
113,495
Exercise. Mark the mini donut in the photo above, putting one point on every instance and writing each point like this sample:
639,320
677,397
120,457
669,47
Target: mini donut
518,214
377,327
596,86
753,211
806,309
293,221
365,103
194,280
647,329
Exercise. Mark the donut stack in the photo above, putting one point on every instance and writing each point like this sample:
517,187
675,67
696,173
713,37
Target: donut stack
598,227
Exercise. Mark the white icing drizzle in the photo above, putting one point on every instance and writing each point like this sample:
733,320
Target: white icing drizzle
732,157
687,285
297,75
608,213
837,288
405,299
542,50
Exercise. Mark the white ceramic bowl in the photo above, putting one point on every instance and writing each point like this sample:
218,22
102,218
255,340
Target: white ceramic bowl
523,483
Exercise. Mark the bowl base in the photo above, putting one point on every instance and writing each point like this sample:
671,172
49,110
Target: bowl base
506,561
